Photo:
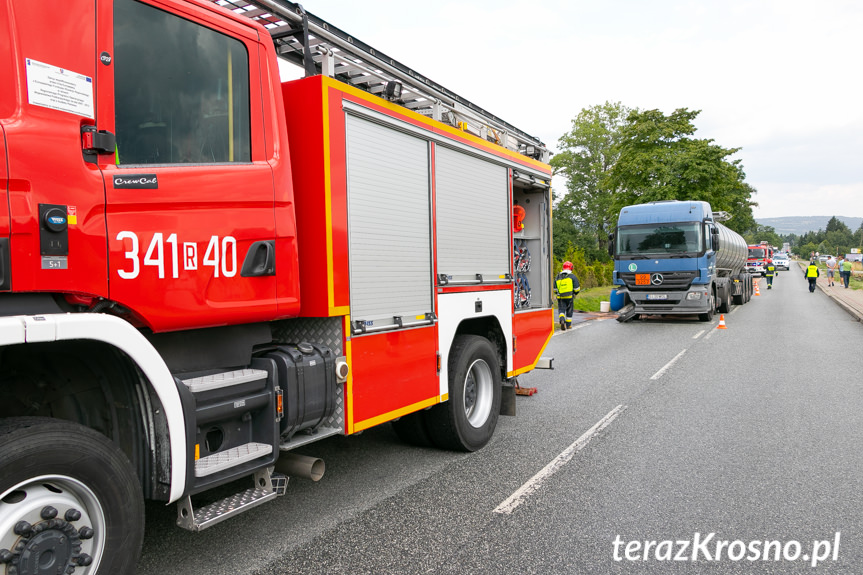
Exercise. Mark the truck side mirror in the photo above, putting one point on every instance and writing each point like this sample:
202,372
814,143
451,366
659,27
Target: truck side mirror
714,240
611,245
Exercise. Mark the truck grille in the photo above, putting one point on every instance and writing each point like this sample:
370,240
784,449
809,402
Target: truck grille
670,281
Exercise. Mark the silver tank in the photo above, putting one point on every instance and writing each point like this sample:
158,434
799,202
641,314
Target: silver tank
732,253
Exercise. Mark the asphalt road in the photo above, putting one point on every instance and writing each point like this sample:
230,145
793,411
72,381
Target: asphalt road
750,433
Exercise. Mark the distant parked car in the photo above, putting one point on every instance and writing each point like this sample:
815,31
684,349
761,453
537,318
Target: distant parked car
781,262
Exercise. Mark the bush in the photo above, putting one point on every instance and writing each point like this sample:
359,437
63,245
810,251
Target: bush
589,276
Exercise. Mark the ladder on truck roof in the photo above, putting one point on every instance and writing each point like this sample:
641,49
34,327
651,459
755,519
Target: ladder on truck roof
321,48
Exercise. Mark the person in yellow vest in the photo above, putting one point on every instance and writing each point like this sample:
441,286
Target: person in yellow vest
769,272
566,287
811,273
846,271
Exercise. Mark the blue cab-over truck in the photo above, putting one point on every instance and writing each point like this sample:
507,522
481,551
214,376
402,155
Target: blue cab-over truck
676,258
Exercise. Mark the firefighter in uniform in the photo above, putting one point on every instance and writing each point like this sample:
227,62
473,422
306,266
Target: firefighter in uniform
811,274
566,287
771,271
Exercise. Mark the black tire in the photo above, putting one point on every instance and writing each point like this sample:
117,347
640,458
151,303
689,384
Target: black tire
710,309
51,468
467,421
725,302
411,429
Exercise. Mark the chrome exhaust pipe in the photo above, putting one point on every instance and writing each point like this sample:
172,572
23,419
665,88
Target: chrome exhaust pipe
295,465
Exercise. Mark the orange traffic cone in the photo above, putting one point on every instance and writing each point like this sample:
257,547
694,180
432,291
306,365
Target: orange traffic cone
756,288
721,322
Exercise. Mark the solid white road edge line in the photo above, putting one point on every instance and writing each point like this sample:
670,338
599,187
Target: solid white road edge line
667,366
534,483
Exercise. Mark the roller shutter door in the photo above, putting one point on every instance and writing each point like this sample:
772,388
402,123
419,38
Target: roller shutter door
472,208
389,225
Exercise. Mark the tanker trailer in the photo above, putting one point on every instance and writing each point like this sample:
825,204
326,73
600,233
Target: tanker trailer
675,258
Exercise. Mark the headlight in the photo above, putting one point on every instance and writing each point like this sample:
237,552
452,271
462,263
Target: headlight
694,295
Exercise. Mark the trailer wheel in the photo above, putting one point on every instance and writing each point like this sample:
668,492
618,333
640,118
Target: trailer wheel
740,299
70,501
467,421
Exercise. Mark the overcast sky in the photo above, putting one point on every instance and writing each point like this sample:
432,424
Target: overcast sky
780,79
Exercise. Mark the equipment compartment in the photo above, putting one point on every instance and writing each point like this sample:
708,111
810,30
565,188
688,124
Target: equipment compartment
531,245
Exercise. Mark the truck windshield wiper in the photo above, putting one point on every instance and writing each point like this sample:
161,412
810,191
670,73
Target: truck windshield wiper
635,257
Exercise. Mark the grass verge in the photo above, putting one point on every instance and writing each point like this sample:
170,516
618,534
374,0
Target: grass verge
588,300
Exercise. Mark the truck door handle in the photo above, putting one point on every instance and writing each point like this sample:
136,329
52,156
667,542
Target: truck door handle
260,260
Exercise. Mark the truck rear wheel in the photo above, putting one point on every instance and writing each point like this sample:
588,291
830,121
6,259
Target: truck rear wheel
69,500
467,421
725,301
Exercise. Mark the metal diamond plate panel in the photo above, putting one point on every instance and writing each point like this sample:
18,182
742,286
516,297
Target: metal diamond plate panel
324,330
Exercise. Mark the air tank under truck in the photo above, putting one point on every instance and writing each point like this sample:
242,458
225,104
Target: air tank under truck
676,258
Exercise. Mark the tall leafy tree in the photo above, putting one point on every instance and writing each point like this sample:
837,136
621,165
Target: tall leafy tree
763,234
588,152
658,159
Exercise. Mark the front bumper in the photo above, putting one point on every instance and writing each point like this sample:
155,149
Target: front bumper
695,300
755,269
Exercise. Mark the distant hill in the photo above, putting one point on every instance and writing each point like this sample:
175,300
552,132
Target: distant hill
801,224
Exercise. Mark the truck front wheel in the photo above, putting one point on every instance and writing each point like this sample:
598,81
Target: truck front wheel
711,307
69,500
467,421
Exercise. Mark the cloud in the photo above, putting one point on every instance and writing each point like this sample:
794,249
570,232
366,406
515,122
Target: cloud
779,78
780,199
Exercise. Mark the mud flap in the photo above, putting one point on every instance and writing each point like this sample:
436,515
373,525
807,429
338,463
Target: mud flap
507,399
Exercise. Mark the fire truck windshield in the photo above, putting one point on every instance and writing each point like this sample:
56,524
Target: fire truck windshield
757,253
658,240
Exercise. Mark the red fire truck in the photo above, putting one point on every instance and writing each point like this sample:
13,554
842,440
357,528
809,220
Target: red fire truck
203,268
756,262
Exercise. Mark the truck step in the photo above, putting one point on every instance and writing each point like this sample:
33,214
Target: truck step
231,458
266,487
226,379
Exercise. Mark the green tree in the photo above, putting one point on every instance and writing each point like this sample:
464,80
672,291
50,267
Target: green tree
659,160
838,237
836,225
588,152
763,234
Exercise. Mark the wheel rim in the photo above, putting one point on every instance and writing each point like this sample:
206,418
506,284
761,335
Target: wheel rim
50,522
478,393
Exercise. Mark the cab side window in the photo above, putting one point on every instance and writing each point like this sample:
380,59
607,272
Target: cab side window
181,90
